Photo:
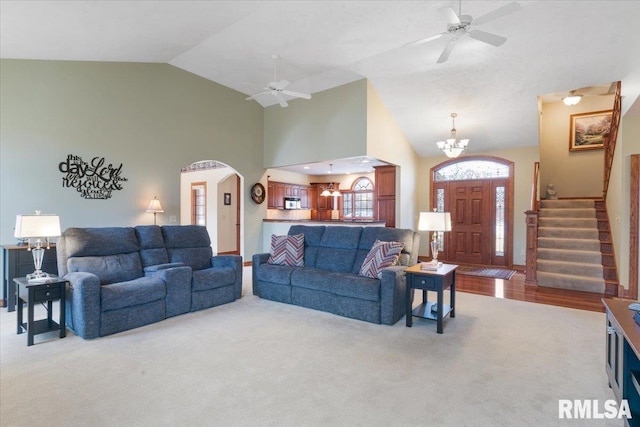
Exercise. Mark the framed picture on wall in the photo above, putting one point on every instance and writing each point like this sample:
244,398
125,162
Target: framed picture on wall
227,198
588,130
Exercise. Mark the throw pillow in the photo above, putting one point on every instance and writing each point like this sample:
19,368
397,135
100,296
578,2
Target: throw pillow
381,255
287,250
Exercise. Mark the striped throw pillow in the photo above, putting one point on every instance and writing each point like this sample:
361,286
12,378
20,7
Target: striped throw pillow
381,255
287,250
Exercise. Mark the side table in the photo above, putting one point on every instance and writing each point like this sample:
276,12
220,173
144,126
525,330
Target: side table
17,261
431,280
53,289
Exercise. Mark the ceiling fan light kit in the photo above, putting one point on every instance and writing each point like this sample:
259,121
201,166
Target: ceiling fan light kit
451,147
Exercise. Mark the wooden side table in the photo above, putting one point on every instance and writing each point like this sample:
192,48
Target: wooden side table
431,280
53,289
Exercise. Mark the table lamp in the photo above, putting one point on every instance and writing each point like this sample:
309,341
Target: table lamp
37,227
155,207
434,221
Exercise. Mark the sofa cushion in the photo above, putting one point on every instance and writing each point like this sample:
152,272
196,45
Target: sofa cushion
312,237
212,278
385,234
343,284
110,268
381,255
280,274
287,250
133,292
338,248
100,241
152,250
188,244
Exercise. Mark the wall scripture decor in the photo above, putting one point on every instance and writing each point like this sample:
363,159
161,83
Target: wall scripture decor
93,180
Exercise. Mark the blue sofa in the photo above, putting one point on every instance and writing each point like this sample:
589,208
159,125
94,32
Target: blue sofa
125,277
329,280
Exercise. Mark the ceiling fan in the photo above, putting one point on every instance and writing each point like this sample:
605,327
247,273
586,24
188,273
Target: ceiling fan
460,25
277,89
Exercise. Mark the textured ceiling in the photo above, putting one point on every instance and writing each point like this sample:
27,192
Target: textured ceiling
552,46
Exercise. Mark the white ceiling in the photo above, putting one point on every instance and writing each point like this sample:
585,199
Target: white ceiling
552,46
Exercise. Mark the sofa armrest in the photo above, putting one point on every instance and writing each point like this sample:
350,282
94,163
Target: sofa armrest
158,267
177,279
83,304
393,289
232,261
257,260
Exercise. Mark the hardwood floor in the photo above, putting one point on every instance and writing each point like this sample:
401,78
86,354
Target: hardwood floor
516,289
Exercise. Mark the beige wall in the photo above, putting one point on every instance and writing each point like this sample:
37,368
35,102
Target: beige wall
331,125
387,142
523,159
619,187
559,166
152,118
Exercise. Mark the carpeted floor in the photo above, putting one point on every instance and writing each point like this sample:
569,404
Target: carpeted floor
496,273
257,362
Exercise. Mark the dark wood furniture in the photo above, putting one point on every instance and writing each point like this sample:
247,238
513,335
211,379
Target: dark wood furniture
17,261
385,194
431,280
623,355
277,191
54,289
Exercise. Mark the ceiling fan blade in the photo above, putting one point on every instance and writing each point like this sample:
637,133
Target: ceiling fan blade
282,84
498,13
296,94
425,40
281,100
256,95
450,15
447,51
492,39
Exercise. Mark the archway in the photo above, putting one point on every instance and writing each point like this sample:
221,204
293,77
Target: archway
210,195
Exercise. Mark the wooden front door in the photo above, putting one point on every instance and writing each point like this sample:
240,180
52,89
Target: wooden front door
470,238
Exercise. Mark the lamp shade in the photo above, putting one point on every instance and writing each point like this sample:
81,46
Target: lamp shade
434,221
155,206
28,226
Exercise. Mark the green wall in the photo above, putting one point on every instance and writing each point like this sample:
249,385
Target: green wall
152,118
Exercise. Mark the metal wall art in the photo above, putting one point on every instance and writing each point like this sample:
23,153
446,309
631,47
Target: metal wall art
93,180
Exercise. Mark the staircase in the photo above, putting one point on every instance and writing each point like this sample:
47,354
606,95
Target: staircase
569,254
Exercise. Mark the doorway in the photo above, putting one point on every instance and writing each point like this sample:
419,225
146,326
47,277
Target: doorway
478,192
211,195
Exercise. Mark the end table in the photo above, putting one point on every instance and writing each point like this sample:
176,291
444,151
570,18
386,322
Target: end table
431,280
47,291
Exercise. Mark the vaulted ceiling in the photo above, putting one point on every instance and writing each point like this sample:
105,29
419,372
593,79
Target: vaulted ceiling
552,46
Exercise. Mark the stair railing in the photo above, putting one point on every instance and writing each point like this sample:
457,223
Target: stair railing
610,140
531,257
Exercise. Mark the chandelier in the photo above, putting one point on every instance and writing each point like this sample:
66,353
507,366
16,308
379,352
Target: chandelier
452,147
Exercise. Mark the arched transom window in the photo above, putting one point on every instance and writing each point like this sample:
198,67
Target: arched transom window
471,169
358,202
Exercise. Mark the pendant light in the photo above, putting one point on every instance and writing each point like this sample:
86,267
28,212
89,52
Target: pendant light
452,147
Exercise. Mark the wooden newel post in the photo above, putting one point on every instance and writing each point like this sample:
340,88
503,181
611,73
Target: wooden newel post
532,247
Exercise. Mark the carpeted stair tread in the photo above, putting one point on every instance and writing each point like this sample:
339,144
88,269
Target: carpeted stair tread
567,213
566,281
569,267
567,203
577,244
568,222
557,254
568,233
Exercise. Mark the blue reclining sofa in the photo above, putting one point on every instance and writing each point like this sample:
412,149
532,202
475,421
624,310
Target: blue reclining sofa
125,277
329,280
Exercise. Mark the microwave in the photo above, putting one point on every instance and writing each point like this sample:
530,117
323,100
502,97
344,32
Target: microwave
291,203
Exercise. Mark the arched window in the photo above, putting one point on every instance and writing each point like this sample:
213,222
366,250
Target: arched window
358,202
